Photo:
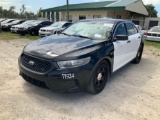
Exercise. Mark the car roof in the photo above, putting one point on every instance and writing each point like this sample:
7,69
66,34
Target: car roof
105,20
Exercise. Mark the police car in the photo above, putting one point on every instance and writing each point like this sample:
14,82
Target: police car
83,56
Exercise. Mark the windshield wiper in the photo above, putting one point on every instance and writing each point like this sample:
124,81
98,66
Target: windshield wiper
83,36
65,34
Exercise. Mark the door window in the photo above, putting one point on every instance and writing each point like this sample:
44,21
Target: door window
66,25
121,30
131,29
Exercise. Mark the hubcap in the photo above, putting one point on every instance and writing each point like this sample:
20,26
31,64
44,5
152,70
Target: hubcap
101,76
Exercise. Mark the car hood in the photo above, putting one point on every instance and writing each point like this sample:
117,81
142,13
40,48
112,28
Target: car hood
58,45
49,28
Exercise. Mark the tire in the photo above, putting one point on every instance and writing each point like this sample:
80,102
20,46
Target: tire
99,78
138,58
32,33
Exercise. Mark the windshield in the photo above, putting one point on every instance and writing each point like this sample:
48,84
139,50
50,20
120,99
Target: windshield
27,22
16,21
58,24
90,29
155,29
36,23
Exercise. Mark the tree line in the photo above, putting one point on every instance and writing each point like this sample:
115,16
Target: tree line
23,14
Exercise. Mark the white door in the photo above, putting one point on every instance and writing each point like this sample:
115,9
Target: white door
121,48
134,38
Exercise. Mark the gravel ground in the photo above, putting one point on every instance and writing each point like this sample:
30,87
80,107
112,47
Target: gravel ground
133,93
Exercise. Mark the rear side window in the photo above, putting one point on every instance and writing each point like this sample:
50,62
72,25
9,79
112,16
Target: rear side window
131,29
46,23
121,30
66,24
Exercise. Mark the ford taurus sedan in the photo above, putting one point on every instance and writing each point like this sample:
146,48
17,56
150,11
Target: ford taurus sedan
82,57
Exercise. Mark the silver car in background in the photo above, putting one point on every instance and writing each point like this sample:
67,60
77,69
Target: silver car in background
52,29
153,34
15,27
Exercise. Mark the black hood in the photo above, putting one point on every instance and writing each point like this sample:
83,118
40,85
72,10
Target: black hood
58,45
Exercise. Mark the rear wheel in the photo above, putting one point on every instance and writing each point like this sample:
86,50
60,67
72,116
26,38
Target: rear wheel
99,78
139,55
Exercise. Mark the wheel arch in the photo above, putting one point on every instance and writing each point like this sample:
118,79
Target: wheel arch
110,65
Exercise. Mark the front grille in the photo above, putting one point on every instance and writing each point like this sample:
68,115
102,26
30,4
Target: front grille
153,34
43,30
36,64
34,81
20,28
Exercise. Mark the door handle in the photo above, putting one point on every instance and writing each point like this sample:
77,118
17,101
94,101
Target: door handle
128,41
139,37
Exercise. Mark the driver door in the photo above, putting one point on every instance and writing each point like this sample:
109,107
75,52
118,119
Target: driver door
121,48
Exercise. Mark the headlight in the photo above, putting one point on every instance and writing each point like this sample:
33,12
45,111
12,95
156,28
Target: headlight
74,63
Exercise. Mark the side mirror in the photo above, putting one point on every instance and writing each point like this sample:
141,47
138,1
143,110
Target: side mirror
121,37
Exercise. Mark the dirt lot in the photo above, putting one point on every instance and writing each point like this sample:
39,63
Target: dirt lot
133,93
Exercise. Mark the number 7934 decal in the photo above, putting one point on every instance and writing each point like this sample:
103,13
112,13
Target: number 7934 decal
68,76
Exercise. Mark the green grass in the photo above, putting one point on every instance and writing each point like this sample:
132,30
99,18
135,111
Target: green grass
155,44
12,36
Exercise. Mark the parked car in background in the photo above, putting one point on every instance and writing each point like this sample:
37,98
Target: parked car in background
153,34
37,25
24,28
2,19
8,26
0,26
16,27
83,56
7,21
52,29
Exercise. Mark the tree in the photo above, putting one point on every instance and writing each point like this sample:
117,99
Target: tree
23,10
12,8
1,11
11,11
151,10
39,14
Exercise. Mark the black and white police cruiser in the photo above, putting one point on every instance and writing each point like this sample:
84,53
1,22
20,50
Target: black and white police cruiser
83,56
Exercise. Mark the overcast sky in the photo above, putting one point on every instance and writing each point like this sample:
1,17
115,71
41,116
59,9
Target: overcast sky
34,5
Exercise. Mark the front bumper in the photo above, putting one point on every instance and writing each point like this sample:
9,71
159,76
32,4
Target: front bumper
13,30
152,38
22,32
43,34
5,28
55,81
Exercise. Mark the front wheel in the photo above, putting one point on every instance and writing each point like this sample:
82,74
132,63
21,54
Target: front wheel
32,33
99,78
138,58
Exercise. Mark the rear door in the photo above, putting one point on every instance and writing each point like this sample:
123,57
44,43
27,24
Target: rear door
134,38
121,47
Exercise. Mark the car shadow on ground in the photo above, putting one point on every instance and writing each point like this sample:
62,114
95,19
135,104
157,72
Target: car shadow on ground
123,85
